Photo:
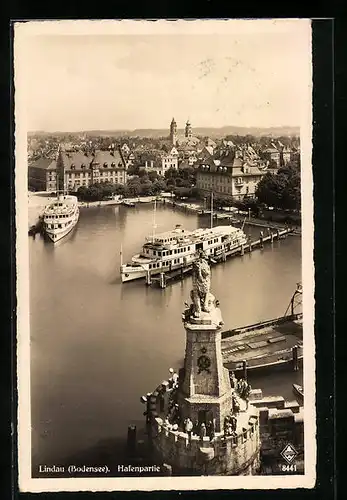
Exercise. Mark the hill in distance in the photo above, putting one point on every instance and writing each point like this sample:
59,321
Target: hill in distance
198,131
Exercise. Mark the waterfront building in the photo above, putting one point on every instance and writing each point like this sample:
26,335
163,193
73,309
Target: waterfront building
228,176
80,168
42,175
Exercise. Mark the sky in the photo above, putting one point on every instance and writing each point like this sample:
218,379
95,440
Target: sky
69,81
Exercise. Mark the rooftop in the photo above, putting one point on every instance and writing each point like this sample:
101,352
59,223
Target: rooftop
79,159
44,163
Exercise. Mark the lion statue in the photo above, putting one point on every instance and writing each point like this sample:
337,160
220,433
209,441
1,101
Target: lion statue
200,295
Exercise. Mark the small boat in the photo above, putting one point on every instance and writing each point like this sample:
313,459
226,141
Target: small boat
298,390
128,203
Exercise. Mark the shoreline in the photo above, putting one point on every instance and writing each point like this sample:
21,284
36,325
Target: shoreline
37,202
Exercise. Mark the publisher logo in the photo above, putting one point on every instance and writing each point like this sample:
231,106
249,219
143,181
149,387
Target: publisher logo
289,453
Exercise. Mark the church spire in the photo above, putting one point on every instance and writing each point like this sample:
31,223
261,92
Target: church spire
188,130
173,132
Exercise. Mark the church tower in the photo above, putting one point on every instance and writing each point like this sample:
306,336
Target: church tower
173,132
188,132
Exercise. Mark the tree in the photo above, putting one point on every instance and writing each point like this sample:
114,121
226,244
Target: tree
269,190
158,186
153,176
281,190
291,194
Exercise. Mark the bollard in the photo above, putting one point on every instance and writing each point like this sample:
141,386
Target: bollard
242,250
148,278
272,237
162,280
131,440
295,358
244,369
278,234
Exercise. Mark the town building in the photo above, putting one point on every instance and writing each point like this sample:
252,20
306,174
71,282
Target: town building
80,168
159,161
125,149
286,155
272,154
228,176
42,175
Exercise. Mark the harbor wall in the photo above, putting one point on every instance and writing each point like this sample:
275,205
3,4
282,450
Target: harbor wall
223,456
280,422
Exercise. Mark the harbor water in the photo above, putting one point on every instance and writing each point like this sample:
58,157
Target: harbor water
98,345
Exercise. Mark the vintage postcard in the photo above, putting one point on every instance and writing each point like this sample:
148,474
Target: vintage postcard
165,276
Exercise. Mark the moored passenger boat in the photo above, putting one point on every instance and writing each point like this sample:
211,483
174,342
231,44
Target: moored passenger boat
180,248
60,217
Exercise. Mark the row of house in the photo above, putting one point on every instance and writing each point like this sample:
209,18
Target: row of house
73,169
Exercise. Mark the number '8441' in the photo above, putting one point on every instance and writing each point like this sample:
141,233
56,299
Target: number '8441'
288,468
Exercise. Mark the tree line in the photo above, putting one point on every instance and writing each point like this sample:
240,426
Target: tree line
281,190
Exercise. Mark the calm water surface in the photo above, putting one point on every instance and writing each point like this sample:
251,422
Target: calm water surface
98,345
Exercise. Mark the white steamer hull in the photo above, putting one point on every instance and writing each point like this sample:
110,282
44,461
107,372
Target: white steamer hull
56,235
132,274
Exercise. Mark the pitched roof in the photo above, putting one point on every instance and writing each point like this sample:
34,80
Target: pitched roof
109,157
44,163
227,159
79,158
238,169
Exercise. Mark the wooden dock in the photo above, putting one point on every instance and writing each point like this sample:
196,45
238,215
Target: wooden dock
165,278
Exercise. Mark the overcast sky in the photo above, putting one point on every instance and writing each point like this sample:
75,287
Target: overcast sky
243,78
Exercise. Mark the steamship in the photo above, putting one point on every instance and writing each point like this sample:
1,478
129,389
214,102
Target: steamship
180,248
60,217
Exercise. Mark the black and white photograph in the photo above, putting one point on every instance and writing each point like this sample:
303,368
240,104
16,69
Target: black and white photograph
165,272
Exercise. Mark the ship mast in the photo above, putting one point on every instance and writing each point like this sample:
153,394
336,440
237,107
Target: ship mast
154,224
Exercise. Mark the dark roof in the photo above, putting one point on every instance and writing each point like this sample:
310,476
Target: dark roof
237,169
227,159
77,159
44,163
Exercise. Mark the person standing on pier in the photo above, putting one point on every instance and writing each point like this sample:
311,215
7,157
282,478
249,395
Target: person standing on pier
233,380
211,429
174,378
202,431
188,426
233,423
